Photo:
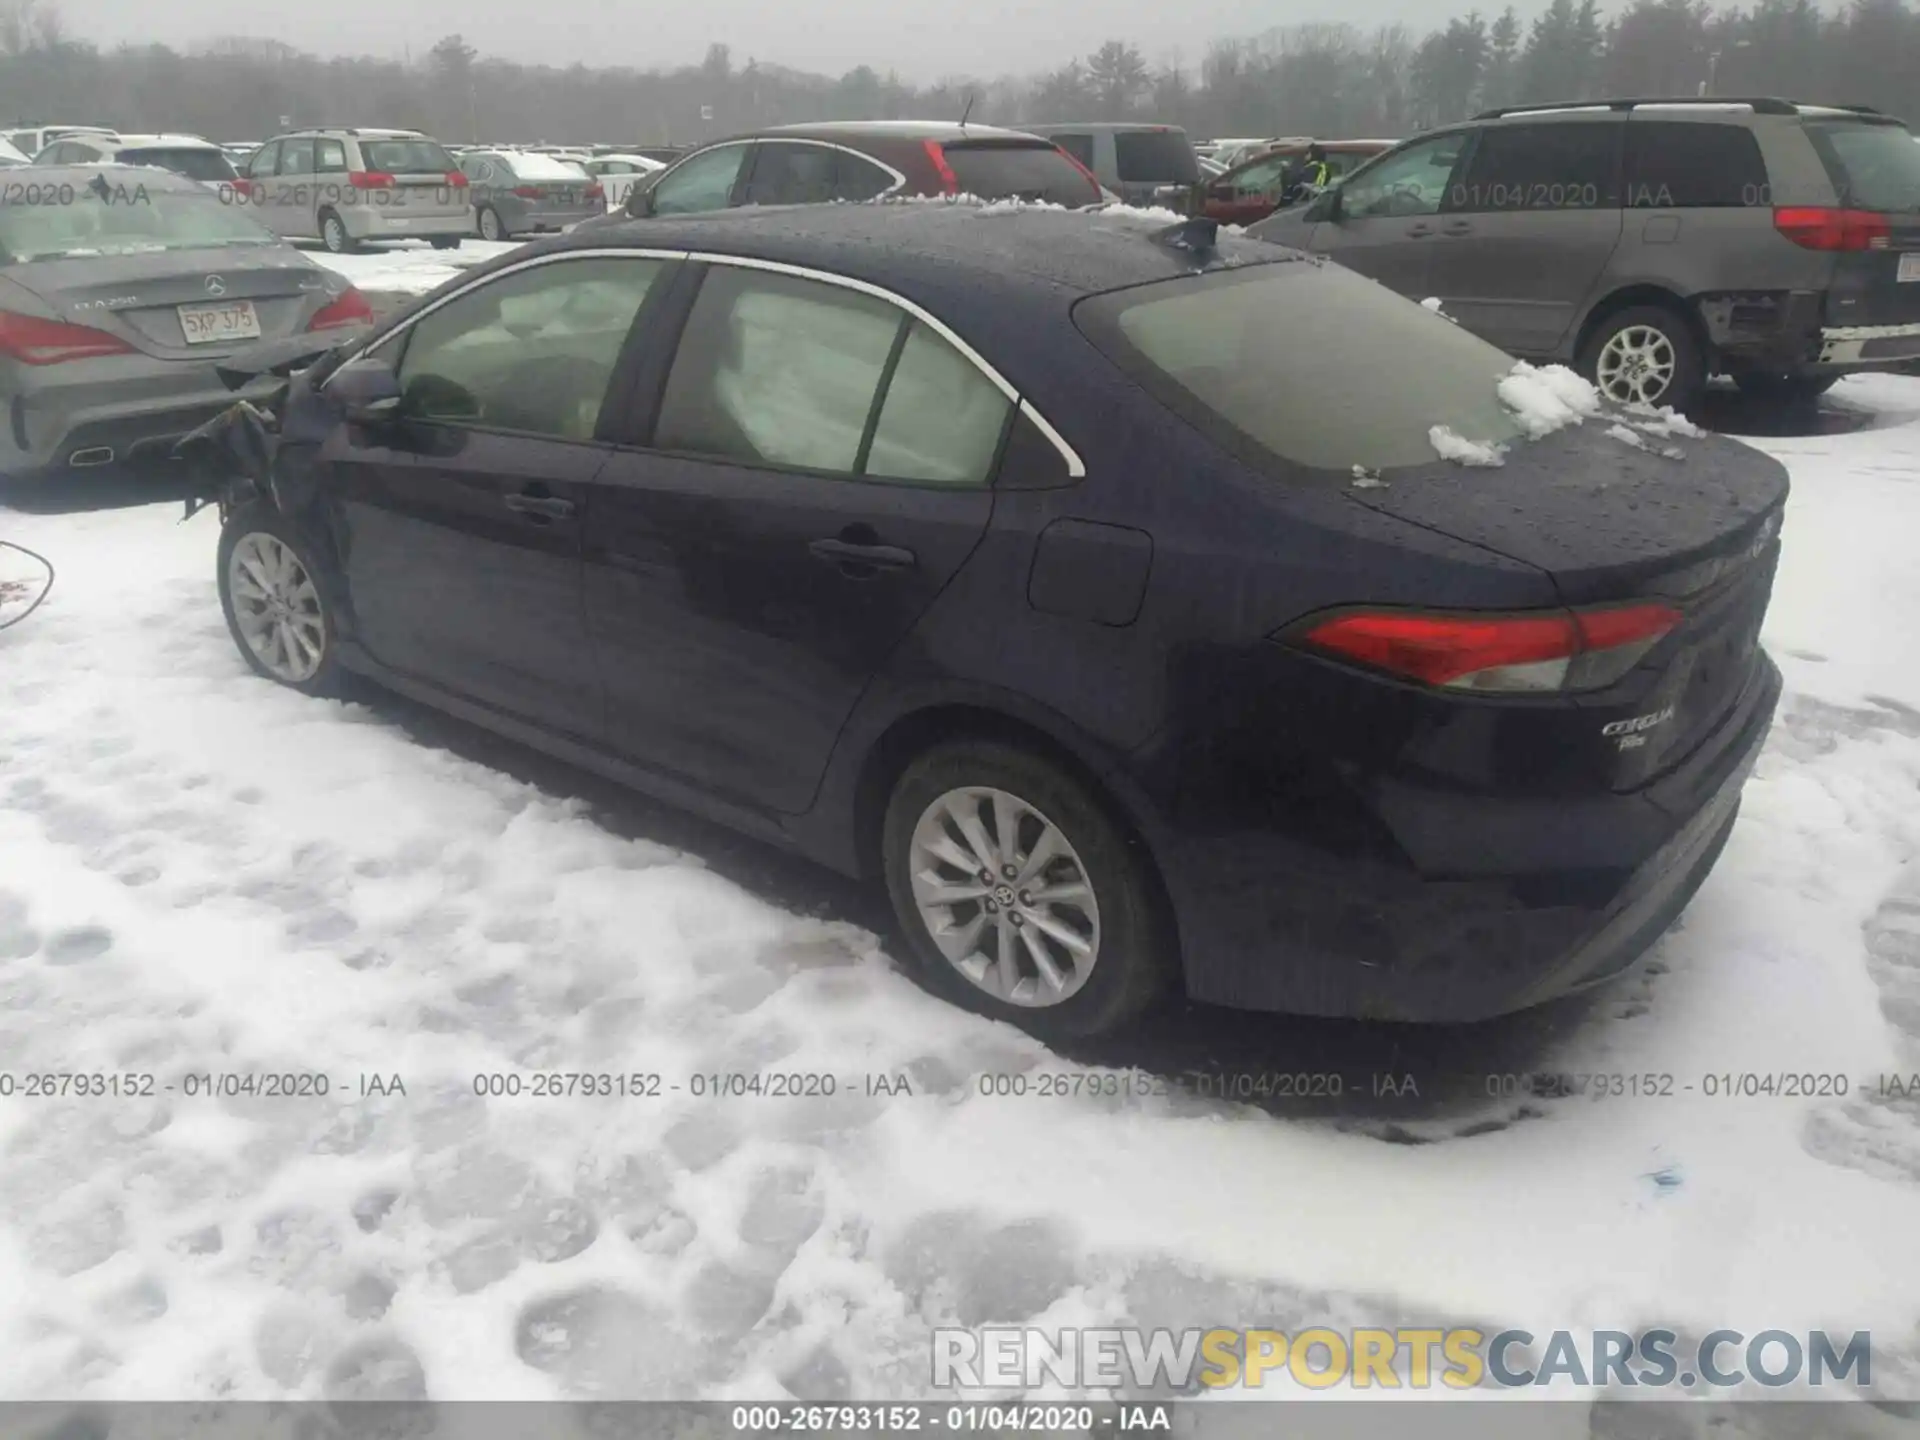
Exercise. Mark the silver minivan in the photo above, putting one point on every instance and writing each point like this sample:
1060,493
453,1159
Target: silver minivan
349,186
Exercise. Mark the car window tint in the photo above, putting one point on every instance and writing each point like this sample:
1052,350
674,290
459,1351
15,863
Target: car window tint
330,157
1263,176
209,165
777,370
702,182
941,419
1676,163
262,162
1874,166
860,179
533,351
296,157
785,174
1161,157
1080,147
1570,165
1412,181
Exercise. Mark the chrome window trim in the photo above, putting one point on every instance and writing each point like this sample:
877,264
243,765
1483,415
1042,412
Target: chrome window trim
1076,467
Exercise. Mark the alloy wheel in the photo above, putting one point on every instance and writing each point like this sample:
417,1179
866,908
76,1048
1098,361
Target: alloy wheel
1005,896
489,225
277,608
334,234
1637,365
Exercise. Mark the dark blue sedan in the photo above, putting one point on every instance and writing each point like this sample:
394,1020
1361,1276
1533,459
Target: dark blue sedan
1151,609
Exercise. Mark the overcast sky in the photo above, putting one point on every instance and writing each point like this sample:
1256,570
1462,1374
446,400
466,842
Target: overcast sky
922,39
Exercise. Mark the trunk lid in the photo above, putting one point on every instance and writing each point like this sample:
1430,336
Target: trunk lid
138,297
1617,522
1875,169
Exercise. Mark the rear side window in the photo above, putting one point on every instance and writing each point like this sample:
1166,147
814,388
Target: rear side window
406,157
1572,165
1159,157
941,419
1673,163
1026,172
785,174
1223,351
192,163
1873,167
1077,145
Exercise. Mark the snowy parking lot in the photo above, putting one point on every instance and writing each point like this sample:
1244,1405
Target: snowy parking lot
204,876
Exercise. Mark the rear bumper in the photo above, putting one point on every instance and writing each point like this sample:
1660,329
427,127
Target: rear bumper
62,417
1783,331
547,221
399,223
1472,906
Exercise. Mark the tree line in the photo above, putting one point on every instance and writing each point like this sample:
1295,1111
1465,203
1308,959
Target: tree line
1330,80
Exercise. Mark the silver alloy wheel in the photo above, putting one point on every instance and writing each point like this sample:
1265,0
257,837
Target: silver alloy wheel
1005,896
1636,365
277,607
489,224
334,234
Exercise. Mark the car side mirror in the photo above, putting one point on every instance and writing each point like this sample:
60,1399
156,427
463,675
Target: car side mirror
366,390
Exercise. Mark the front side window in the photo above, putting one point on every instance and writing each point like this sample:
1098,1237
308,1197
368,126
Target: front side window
1223,350
296,157
1262,176
700,182
1409,182
263,161
1570,165
533,351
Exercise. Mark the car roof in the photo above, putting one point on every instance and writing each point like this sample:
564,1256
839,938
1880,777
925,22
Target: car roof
151,176
924,249
888,130
1106,127
176,142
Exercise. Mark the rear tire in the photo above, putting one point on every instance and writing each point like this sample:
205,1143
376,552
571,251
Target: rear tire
333,234
1647,355
1102,960
491,226
446,242
276,604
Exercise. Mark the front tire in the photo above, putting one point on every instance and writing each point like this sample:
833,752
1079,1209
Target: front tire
276,603
1020,895
333,234
491,227
1645,355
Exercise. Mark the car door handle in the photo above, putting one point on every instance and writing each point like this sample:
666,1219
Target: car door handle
1457,227
548,507
853,556
1420,231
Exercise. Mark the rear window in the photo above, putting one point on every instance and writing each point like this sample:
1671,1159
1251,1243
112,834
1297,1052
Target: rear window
1309,364
1673,163
1028,172
406,157
1160,157
1873,167
544,167
164,219
193,163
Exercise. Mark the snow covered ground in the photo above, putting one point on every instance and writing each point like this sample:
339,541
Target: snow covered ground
201,874
411,267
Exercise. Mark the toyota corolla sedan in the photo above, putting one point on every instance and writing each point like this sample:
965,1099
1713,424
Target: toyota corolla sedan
1030,563
120,290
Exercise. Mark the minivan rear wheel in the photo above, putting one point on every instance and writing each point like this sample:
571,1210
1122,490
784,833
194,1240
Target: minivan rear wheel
1645,355
333,234
1021,897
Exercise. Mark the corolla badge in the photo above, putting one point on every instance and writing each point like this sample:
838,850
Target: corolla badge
1631,733
216,287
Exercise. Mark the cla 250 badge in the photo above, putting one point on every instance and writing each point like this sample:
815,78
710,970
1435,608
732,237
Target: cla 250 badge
1632,732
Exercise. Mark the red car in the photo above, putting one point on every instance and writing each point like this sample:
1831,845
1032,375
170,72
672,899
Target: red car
1251,190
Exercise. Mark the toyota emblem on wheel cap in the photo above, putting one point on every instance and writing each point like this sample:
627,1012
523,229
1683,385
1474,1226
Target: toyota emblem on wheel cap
215,285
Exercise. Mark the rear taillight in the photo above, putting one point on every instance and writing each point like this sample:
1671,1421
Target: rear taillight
1544,652
34,341
348,308
949,182
457,179
1818,227
242,186
369,179
594,192
530,192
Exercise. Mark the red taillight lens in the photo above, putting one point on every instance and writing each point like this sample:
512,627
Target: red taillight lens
1817,227
530,192
349,308
949,182
369,179
457,179
1511,654
34,341
594,192
242,186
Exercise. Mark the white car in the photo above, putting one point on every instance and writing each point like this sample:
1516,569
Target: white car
187,155
31,140
618,173
10,157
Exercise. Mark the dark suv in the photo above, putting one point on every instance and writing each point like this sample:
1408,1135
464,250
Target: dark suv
1651,243
863,160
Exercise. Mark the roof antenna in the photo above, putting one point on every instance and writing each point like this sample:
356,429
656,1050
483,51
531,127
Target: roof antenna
967,111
